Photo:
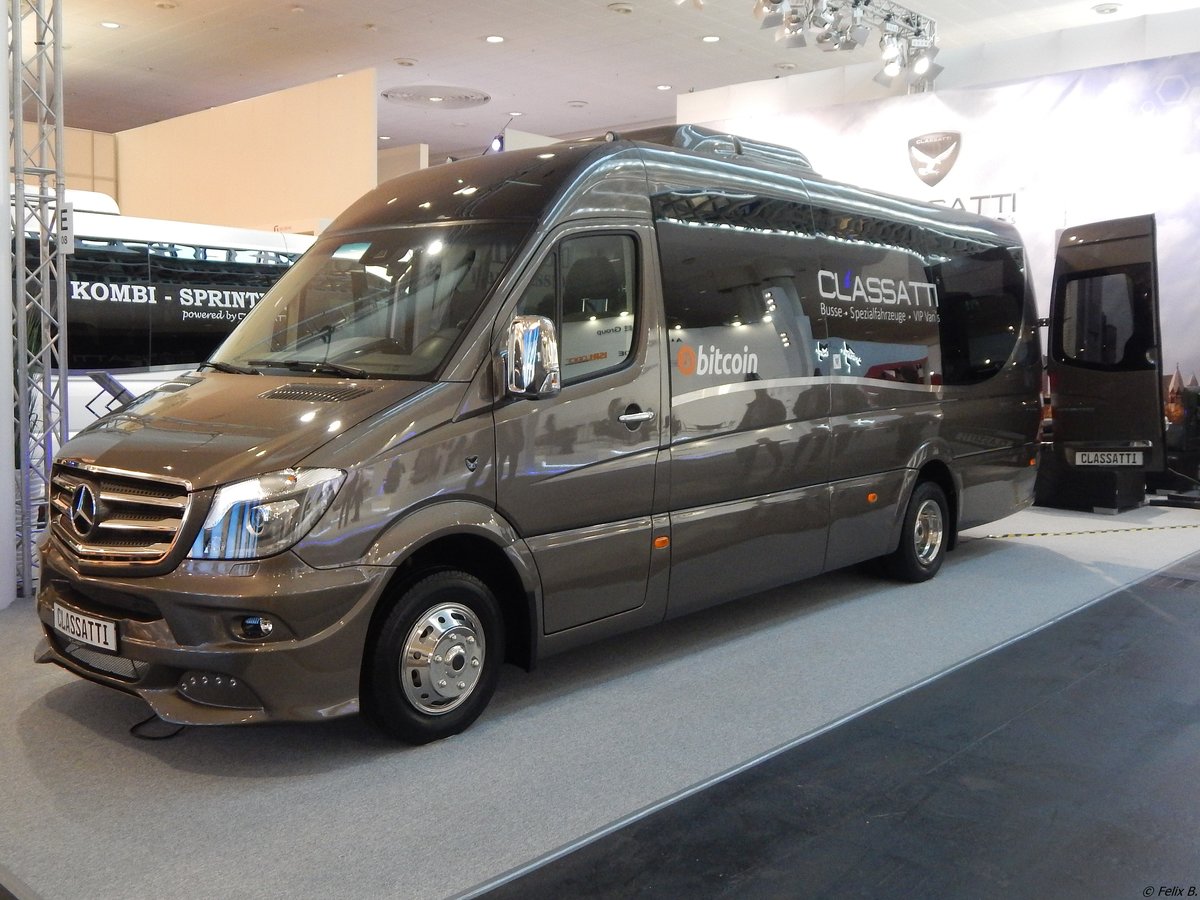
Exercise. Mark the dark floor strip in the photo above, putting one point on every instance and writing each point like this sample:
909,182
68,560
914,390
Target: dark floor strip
1064,765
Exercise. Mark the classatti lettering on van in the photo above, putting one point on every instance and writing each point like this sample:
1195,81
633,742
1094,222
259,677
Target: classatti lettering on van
872,289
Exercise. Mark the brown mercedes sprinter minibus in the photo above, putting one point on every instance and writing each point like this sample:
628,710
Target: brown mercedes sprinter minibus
513,404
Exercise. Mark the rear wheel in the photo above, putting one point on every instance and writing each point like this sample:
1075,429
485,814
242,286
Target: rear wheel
924,536
435,663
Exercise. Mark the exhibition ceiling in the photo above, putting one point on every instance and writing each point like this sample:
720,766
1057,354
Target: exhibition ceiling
569,67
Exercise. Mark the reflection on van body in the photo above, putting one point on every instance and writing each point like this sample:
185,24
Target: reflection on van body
511,405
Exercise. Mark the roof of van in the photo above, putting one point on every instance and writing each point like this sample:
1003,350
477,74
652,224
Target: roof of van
522,184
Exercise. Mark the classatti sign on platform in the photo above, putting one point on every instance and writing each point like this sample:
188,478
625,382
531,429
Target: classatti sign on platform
1043,154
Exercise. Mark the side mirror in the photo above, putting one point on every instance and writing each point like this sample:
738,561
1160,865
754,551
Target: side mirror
531,368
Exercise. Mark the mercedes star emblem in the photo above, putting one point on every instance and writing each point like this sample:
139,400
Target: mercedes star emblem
83,511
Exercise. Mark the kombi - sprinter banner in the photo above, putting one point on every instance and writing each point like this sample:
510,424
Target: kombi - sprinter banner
1044,154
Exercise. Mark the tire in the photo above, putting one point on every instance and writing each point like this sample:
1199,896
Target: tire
924,535
436,659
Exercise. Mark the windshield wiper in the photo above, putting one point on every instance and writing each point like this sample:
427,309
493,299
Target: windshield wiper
315,366
229,367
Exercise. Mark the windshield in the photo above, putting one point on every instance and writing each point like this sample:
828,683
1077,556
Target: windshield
388,303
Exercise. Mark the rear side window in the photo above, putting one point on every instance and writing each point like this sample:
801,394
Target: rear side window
1102,322
982,301
587,288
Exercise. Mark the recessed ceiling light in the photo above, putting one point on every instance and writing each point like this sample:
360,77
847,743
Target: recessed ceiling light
1106,9
384,137
710,38
662,87
623,8
577,104
166,4
110,24
436,99
516,113
494,39
785,66
406,61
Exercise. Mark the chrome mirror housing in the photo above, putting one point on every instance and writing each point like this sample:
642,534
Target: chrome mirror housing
531,365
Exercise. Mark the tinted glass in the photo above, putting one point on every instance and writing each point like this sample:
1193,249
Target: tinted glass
587,287
982,299
385,302
733,307
1102,323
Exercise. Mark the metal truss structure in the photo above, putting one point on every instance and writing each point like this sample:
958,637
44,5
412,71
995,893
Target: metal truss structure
41,240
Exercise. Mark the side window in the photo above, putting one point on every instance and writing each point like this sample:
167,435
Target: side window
1103,325
982,301
733,306
587,287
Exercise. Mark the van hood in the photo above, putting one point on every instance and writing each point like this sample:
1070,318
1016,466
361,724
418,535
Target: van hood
213,428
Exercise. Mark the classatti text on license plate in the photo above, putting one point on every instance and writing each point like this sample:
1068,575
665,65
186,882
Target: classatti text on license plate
89,631
1108,458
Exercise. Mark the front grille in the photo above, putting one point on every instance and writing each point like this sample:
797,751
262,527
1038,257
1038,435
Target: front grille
116,517
117,666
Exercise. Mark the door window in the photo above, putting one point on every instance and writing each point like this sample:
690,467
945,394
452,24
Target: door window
587,288
1103,324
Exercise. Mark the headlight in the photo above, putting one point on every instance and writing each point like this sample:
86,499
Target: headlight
262,516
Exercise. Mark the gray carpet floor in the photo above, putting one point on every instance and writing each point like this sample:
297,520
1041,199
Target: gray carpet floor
589,740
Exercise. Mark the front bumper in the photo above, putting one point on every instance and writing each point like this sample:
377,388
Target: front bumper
180,647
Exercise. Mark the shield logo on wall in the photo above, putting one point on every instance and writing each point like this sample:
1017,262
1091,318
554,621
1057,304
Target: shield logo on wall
933,155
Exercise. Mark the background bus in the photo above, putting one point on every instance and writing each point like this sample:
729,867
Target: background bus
148,299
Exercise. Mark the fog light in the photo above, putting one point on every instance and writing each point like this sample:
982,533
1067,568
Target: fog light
256,628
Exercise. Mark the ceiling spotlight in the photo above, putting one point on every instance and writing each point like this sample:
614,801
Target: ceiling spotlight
889,47
769,12
893,67
110,24
791,32
924,56
710,38
1106,9
494,39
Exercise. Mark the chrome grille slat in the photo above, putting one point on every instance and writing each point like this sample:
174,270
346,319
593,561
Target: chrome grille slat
130,497
138,518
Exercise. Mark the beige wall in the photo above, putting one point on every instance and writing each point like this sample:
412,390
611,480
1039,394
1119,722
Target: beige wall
89,159
397,161
291,160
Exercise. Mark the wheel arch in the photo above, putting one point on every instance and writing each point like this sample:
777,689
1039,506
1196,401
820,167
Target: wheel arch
937,471
474,539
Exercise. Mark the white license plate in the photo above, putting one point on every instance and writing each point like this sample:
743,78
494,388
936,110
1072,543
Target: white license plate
1108,457
88,630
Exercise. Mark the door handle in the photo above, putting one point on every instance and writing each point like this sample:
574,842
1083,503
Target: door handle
635,415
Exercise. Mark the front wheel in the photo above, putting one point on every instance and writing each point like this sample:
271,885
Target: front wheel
436,661
924,535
